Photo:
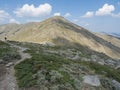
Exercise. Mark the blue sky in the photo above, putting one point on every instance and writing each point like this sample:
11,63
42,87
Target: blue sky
98,16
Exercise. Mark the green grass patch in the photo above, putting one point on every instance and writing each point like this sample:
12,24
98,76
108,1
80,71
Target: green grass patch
24,73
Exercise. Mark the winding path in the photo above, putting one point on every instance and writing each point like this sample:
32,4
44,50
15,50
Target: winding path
9,81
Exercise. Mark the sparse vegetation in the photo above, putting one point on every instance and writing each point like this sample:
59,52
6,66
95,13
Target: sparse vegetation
24,72
105,70
8,53
39,69
26,69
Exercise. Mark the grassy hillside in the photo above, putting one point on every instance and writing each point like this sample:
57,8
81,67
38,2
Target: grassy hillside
54,68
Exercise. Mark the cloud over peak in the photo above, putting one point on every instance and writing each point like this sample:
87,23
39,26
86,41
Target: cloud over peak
67,15
57,14
105,10
31,11
4,15
88,14
12,20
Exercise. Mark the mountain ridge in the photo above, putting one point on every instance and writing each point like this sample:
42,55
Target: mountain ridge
58,27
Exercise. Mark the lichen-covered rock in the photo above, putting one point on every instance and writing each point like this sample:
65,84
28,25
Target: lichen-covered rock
92,80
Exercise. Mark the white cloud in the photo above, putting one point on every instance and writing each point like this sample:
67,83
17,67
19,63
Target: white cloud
33,20
88,14
3,15
105,10
67,15
12,20
31,11
6,18
57,14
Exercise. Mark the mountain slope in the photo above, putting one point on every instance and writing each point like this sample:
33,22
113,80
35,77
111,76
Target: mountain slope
109,38
117,35
57,30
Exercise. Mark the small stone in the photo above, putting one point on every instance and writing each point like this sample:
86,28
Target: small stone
9,64
1,61
101,62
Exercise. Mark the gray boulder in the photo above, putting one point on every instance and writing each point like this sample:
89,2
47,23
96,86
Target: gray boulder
116,84
92,80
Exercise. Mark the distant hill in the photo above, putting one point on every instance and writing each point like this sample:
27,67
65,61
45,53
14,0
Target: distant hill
117,35
59,31
115,41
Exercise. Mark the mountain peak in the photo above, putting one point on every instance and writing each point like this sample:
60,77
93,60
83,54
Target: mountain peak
56,22
56,19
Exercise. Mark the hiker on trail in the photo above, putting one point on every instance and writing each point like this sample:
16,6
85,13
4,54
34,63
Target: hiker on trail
5,38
